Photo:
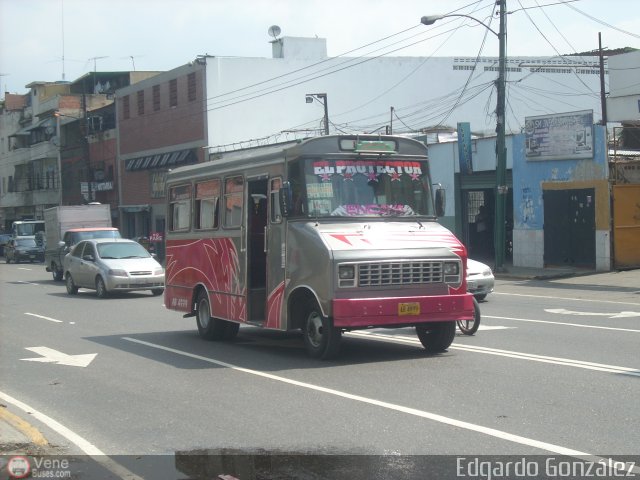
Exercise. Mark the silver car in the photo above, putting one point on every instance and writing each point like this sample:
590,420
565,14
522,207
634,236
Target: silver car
480,279
110,265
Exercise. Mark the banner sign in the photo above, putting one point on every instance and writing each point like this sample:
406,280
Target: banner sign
464,148
559,137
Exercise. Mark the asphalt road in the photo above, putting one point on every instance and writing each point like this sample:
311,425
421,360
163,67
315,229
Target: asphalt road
553,370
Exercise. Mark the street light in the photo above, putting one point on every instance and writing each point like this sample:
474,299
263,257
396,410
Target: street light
501,149
322,98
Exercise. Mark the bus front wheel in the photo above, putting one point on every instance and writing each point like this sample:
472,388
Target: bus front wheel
437,336
211,328
320,337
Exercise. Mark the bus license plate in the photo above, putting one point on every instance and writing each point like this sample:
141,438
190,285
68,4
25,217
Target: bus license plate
412,308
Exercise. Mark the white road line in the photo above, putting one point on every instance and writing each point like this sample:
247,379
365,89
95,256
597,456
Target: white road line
27,283
600,367
565,298
549,447
43,317
563,323
87,447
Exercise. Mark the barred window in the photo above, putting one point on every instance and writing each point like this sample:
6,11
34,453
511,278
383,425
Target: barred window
191,86
173,93
156,98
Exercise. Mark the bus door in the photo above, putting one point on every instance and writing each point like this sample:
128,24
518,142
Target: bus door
275,257
257,215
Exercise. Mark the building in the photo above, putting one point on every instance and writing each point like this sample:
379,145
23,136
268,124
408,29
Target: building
57,143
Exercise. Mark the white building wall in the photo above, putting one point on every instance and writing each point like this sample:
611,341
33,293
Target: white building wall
422,91
623,103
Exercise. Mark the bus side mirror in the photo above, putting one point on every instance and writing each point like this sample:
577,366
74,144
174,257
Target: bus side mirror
285,199
440,201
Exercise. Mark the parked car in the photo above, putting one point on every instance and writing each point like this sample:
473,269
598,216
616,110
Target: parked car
4,239
480,279
110,265
23,248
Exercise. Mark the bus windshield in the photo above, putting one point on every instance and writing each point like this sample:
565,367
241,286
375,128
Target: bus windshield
27,228
363,188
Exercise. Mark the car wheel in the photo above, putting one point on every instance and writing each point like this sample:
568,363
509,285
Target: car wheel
209,328
101,288
437,336
320,337
57,274
480,297
72,289
157,291
469,327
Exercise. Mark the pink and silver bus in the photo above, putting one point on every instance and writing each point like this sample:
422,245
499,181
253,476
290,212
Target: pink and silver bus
324,235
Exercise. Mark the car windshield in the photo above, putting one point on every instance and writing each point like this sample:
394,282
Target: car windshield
363,188
121,250
26,242
79,236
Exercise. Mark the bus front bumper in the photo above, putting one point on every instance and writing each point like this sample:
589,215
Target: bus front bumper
397,311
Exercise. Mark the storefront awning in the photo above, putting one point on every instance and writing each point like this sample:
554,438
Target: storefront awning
161,160
135,208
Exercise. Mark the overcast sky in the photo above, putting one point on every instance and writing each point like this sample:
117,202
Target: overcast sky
119,35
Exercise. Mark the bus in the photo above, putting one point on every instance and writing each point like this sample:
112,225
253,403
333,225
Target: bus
26,228
324,235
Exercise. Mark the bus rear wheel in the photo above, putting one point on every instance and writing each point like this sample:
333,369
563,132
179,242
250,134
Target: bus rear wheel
321,338
211,328
437,336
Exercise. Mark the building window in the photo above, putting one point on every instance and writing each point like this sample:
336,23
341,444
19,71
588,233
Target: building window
126,112
156,98
173,93
140,98
191,86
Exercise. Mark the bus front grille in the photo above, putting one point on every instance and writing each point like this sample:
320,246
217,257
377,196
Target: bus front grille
399,273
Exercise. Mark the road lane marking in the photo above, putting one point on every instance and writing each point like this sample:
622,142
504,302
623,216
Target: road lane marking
49,355
566,324
87,447
564,311
24,282
43,317
549,447
634,372
565,298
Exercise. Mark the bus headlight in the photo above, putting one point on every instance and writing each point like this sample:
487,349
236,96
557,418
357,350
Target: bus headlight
451,268
346,275
451,272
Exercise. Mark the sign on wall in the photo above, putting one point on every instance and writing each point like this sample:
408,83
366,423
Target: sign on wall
560,136
464,148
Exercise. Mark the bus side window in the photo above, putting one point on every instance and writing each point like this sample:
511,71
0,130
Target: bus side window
179,208
276,215
233,199
207,201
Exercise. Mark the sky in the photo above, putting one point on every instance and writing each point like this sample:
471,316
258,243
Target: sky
157,35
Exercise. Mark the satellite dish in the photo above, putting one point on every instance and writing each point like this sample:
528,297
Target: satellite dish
274,31
55,140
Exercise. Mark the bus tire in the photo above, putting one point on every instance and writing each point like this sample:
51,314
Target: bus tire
209,328
437,336
320,337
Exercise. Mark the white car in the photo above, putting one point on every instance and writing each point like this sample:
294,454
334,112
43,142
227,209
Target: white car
480,279
110,265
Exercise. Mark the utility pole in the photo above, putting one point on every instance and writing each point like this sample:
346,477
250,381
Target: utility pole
501,147
603,98
391,123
